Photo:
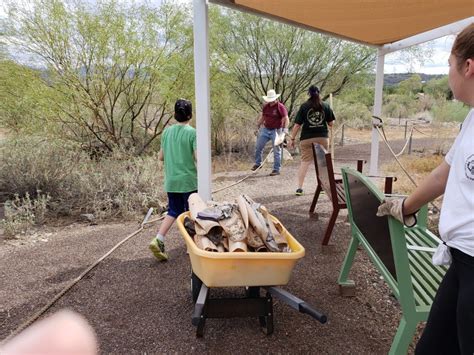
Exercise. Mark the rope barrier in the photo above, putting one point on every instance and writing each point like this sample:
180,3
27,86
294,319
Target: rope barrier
381,133
416,129
246,177
339,128
410,135
400,164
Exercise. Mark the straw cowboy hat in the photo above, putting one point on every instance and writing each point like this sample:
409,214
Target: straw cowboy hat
271,96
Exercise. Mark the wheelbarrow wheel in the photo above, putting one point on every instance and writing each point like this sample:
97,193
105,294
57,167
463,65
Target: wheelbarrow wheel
196,284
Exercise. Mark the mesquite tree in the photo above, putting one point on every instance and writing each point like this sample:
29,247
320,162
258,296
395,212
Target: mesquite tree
116,68
265,54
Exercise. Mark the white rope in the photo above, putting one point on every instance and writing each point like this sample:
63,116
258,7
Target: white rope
406,143
395,156
246,177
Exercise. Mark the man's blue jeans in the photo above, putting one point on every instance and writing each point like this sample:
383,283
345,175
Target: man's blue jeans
265,135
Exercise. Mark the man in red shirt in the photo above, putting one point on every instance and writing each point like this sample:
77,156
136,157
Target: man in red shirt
272,121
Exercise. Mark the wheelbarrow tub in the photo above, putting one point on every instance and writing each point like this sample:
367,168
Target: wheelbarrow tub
232,269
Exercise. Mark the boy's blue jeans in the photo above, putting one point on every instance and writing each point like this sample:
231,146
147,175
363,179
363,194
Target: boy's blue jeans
265,135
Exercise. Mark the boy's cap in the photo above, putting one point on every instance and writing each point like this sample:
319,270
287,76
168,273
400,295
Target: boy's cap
183,110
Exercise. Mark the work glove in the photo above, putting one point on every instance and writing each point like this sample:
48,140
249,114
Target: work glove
285,130
394,207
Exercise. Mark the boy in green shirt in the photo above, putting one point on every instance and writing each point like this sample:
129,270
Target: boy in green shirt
178,147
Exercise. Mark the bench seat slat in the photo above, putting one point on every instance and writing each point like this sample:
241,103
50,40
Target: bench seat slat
341,196
423,235
421,266
423,284
416,237
437,271
422,298
424,260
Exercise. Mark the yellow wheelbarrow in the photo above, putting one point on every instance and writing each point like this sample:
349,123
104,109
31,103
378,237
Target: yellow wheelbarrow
252,270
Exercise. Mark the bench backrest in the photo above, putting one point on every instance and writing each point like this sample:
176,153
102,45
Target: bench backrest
382,237
325,174
324,171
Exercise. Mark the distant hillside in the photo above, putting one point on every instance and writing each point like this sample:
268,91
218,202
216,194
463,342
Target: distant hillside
394,79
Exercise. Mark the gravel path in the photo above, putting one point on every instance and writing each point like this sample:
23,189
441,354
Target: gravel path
137,305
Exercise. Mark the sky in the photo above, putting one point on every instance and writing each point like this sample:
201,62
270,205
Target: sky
436,64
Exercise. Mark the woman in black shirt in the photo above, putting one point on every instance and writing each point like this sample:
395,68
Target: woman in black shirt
314,118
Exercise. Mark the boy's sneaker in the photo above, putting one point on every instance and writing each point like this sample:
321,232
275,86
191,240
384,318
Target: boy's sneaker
157,247
255,167
274,173
299,192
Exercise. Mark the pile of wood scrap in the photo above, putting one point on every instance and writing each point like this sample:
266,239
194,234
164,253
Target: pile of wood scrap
240,226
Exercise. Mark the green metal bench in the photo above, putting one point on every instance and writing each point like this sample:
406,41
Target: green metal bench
402,255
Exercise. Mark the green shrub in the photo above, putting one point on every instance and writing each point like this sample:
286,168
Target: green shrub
356,115
115,186
399,106
449,111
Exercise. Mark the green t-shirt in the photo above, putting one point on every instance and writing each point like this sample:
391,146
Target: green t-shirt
314,123
178,144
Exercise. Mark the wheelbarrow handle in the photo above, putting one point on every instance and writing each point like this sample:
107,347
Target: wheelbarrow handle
307,309
199,306
296,303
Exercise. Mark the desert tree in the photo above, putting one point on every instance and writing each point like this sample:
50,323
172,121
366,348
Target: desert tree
116,67
264,54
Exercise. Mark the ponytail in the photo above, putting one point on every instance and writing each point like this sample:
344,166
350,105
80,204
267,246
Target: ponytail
314,98
315,101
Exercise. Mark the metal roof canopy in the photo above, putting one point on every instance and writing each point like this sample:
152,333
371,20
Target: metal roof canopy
386,24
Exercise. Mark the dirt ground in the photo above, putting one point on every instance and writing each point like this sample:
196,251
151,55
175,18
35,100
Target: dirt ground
137,305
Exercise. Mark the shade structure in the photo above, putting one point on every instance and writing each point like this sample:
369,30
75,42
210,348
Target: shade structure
373,22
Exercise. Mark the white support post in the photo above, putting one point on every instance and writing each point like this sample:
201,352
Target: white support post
202,95
374,147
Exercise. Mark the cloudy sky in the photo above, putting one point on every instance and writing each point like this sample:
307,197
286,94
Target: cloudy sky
436,64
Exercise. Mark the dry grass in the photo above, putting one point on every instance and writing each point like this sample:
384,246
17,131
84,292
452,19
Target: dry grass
114,187
231,162
418,166
395,132
3,134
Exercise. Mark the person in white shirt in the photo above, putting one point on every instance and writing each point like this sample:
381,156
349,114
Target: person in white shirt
450,325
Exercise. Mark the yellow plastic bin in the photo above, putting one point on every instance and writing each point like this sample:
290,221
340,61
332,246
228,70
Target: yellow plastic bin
242,268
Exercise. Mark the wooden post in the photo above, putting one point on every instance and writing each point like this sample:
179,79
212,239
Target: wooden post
409,143
342,136
406,127
331,131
